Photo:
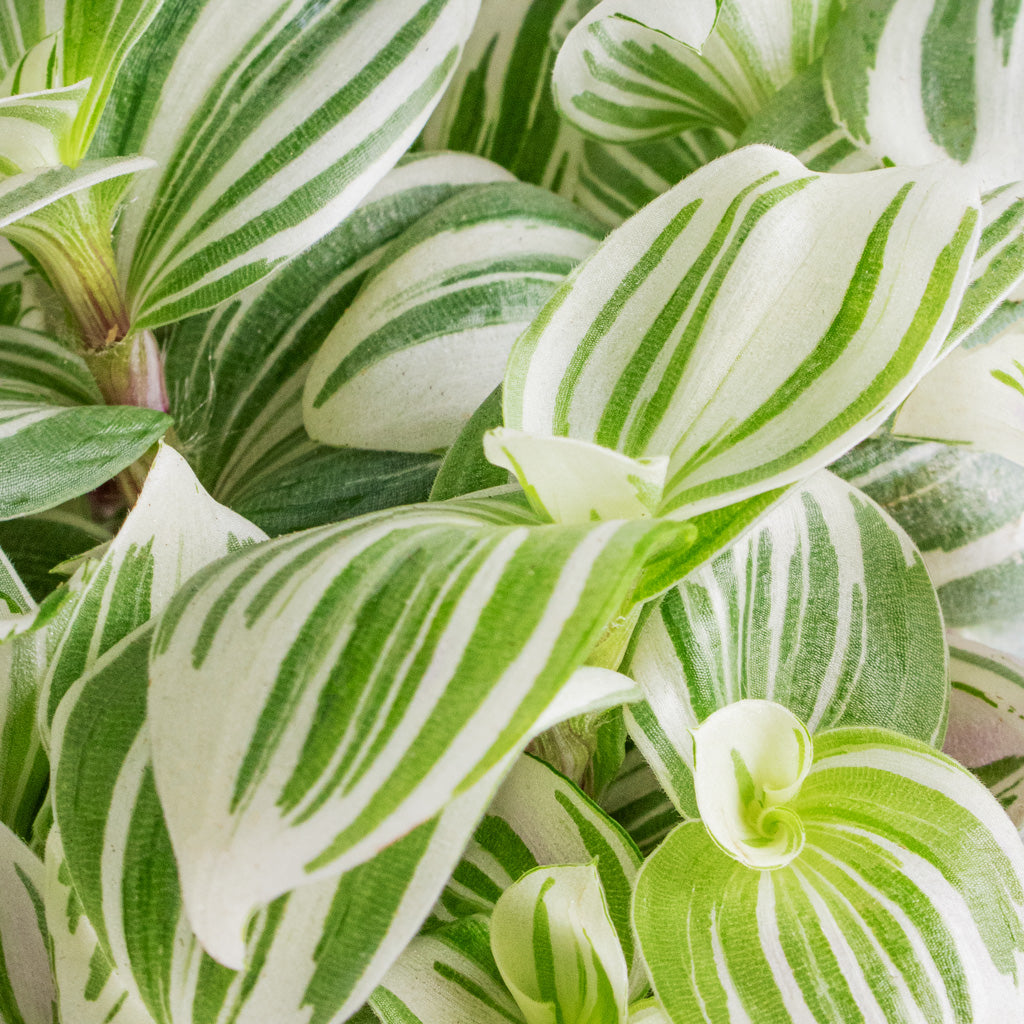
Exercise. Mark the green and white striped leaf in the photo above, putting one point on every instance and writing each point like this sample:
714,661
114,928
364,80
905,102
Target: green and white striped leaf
632,70
615,181
727,326
825,607
26,987
54,443
428,336
35,128
174,529
556,949
917,83
325,945
465,468
973,397
234,376
904,903
26,23
636,800
97,38
539,818
265,147
24,772
962,509
986,721
330,739
499,103
89,990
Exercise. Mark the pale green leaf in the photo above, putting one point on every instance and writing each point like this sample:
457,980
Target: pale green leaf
636,800
903,905
26,23
35,128
428,336
724,326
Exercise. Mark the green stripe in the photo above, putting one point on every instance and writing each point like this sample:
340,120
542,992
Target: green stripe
948,76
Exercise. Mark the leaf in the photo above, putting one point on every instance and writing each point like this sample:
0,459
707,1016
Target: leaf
904,904
320,949
428,336
972,397
556,949
465,469
264,147
917,83
986,727
637,802
499,103
632,71
97,38
36,127
825,607
963,511
26,22
330,739
174,529
235,375
26,989
692,332
53,447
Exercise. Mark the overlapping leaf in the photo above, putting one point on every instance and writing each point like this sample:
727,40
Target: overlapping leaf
26,23
724,326
320,740
903,903
632,71
428,336
173,530
264,146
55,443
917,82
962,509
235,376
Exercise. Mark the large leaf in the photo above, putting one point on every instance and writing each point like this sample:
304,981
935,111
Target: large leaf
962,509
901,901
26,987
428,336
55,444
633,70
174,529
345,683
916,82
235,376
325,945
264,146
727,326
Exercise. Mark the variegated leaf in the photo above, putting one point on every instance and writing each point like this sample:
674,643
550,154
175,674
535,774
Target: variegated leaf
986,721
638,70
499,103
35,128
98,35
89,990
556,949
465,468
174,530
918,82
26,23
26,987
963,510
264,146
903,901
331,740
825,608
428,336
235,376
55,443
973,397
724,326
323,946
539,818
637,801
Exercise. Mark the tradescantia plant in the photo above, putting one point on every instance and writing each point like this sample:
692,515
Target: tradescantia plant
510,511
